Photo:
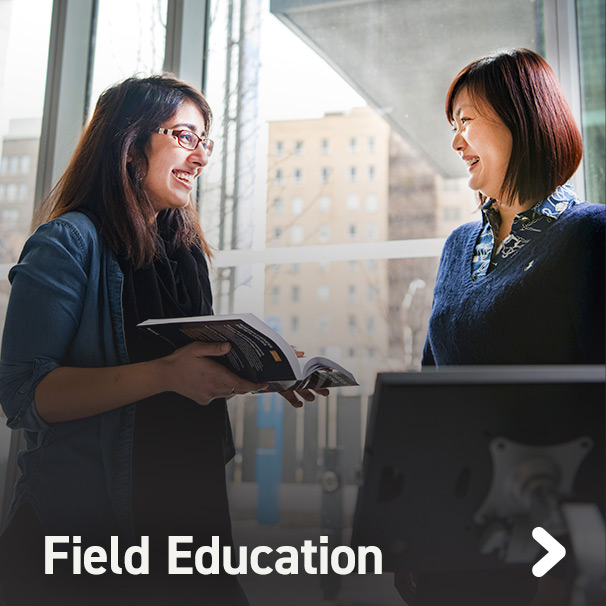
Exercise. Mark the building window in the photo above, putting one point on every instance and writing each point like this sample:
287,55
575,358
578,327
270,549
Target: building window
324,266
279,177
298,177
295,293
352,266
351,352
325,175
325,146
324,204
372,232
4,165
298,147
25,164
371,324
352,202
295,268
277,235
352,293
11,192
13,164
9,218
274,294
353,145
2,191
372,265
351,323
372,352
22,192
323,233
451,213
323,292
371,145
296,234
323,323
278,206
279,148
352,232
275,269
294,323
297,205
353,173
372,203
371,173
372,292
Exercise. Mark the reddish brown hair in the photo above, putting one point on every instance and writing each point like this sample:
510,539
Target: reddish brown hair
524,92
105,174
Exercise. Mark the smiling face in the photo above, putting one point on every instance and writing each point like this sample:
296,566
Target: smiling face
171,169
483,142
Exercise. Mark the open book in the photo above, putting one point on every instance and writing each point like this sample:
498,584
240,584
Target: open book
257,353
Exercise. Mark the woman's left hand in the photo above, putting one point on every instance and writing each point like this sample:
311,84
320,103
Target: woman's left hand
308,395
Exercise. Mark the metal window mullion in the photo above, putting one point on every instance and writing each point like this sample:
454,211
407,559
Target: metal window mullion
66,89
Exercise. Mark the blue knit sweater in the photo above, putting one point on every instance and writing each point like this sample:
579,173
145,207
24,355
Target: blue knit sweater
545,306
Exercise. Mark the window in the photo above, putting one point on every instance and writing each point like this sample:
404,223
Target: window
295,293
372,232
352,202
352,293
277,235
22,191
325,175
351,323
372,292
371,173
2,191
298,176
298,147
353,145
25,163
325,146
275,269
278,177
13,164
297,205
278,205
274,294
352,266
324,292
294,323
372,203
4,165
296,234
352,232
279,148
323,323
324,266
371,145
11,192
295,268
353,173
9,218
323,233
371,324
324,204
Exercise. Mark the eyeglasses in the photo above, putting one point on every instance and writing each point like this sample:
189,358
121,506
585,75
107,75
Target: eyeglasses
189,140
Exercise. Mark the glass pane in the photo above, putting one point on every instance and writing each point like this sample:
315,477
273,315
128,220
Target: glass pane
23,60
591,23
328,199
130,40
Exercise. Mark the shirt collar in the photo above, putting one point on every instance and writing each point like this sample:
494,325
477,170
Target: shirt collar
563,198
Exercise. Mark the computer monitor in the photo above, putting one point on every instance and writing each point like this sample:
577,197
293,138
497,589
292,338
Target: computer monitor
428,468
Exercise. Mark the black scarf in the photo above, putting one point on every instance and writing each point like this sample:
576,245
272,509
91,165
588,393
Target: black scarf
178,445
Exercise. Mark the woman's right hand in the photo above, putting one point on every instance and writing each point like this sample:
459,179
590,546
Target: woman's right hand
191,372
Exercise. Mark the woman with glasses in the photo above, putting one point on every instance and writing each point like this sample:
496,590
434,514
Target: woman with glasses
125,437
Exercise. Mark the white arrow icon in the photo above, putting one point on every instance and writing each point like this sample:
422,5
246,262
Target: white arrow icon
555,551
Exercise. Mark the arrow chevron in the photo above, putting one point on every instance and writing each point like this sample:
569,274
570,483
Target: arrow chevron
555,551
